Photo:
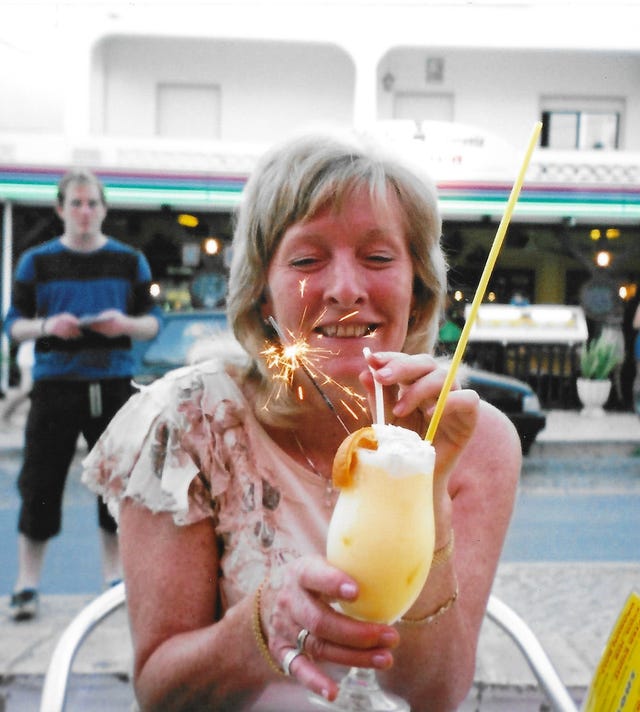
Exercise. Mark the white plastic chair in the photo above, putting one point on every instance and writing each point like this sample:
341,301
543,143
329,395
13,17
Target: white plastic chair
56,681
54,693
541,666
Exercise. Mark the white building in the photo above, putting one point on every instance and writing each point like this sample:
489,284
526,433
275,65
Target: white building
171,103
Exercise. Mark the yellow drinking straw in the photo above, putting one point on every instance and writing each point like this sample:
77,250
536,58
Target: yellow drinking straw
482,285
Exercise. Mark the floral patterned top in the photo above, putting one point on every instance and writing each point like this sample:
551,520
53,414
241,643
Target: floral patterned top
190,444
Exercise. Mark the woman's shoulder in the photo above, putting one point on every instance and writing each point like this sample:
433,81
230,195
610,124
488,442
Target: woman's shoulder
494,450
211,375
177,399
493,419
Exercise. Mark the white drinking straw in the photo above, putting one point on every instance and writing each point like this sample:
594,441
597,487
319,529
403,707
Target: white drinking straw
378,391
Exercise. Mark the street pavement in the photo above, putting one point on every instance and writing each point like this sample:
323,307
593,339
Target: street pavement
571,606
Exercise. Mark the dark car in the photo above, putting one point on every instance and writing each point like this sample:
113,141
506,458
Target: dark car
190,336
515,398
181,335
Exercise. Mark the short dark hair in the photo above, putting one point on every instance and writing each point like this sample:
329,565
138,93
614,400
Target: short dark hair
79,175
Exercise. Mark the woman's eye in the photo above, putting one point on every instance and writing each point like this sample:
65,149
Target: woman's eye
380,258
302,262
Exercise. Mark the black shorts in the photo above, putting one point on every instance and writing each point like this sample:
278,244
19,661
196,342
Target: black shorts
61,411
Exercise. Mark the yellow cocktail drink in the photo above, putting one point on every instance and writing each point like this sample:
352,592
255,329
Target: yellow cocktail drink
382,529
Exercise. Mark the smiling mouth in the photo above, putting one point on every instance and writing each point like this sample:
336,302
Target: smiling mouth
346,331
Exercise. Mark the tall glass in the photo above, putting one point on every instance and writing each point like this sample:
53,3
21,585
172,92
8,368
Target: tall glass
382,534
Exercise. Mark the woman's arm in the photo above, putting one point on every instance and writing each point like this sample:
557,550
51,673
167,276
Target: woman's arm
184,659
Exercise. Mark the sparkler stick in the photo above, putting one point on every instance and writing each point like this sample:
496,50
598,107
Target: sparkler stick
309,375
484,279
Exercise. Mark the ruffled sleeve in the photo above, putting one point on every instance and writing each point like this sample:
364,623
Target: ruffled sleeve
159,446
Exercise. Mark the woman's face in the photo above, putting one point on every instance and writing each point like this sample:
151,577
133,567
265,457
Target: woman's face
343,281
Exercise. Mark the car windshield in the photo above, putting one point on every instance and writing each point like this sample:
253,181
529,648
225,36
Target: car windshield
179,336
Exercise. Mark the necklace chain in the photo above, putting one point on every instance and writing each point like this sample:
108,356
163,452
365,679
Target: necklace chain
329,490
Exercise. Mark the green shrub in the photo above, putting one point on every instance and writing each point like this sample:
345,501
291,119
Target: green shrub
598,359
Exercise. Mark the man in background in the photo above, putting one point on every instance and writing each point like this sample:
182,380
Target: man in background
82,297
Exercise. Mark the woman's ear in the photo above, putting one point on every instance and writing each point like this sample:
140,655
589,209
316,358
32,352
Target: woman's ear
264,305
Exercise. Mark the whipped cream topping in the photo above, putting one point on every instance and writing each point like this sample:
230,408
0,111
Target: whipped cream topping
401,452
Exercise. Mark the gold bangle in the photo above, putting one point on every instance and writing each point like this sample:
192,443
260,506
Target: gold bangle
259,635
442,555
431,617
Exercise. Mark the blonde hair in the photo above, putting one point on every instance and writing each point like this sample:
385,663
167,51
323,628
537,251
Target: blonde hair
291,184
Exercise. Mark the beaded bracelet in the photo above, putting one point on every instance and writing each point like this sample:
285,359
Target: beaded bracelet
442,555
426,620
259,636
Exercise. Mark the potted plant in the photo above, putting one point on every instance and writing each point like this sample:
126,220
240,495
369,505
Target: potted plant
597,360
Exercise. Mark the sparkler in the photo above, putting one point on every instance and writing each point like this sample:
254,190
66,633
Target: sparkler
295,354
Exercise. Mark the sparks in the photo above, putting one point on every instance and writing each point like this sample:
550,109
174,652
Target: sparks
295,353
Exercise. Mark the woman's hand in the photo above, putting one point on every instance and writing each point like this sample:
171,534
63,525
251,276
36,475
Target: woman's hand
299,598
418,380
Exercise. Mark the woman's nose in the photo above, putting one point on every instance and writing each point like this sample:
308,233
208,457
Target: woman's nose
345,284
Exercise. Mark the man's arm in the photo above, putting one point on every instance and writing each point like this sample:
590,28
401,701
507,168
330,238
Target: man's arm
113,322
24,329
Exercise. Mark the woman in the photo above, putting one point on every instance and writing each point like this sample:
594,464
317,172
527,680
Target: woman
224,504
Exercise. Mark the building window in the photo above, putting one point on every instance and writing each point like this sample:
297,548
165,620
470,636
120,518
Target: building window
188,111
586,124
421,106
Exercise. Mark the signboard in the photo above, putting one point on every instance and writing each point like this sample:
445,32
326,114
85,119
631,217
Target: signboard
529,324
616,684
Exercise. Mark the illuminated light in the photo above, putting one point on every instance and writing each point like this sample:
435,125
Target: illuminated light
627,291
211,246
491,297
458,295
187,220
154,289
612,233
603,258
193,193
614,210
595,234
224,192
